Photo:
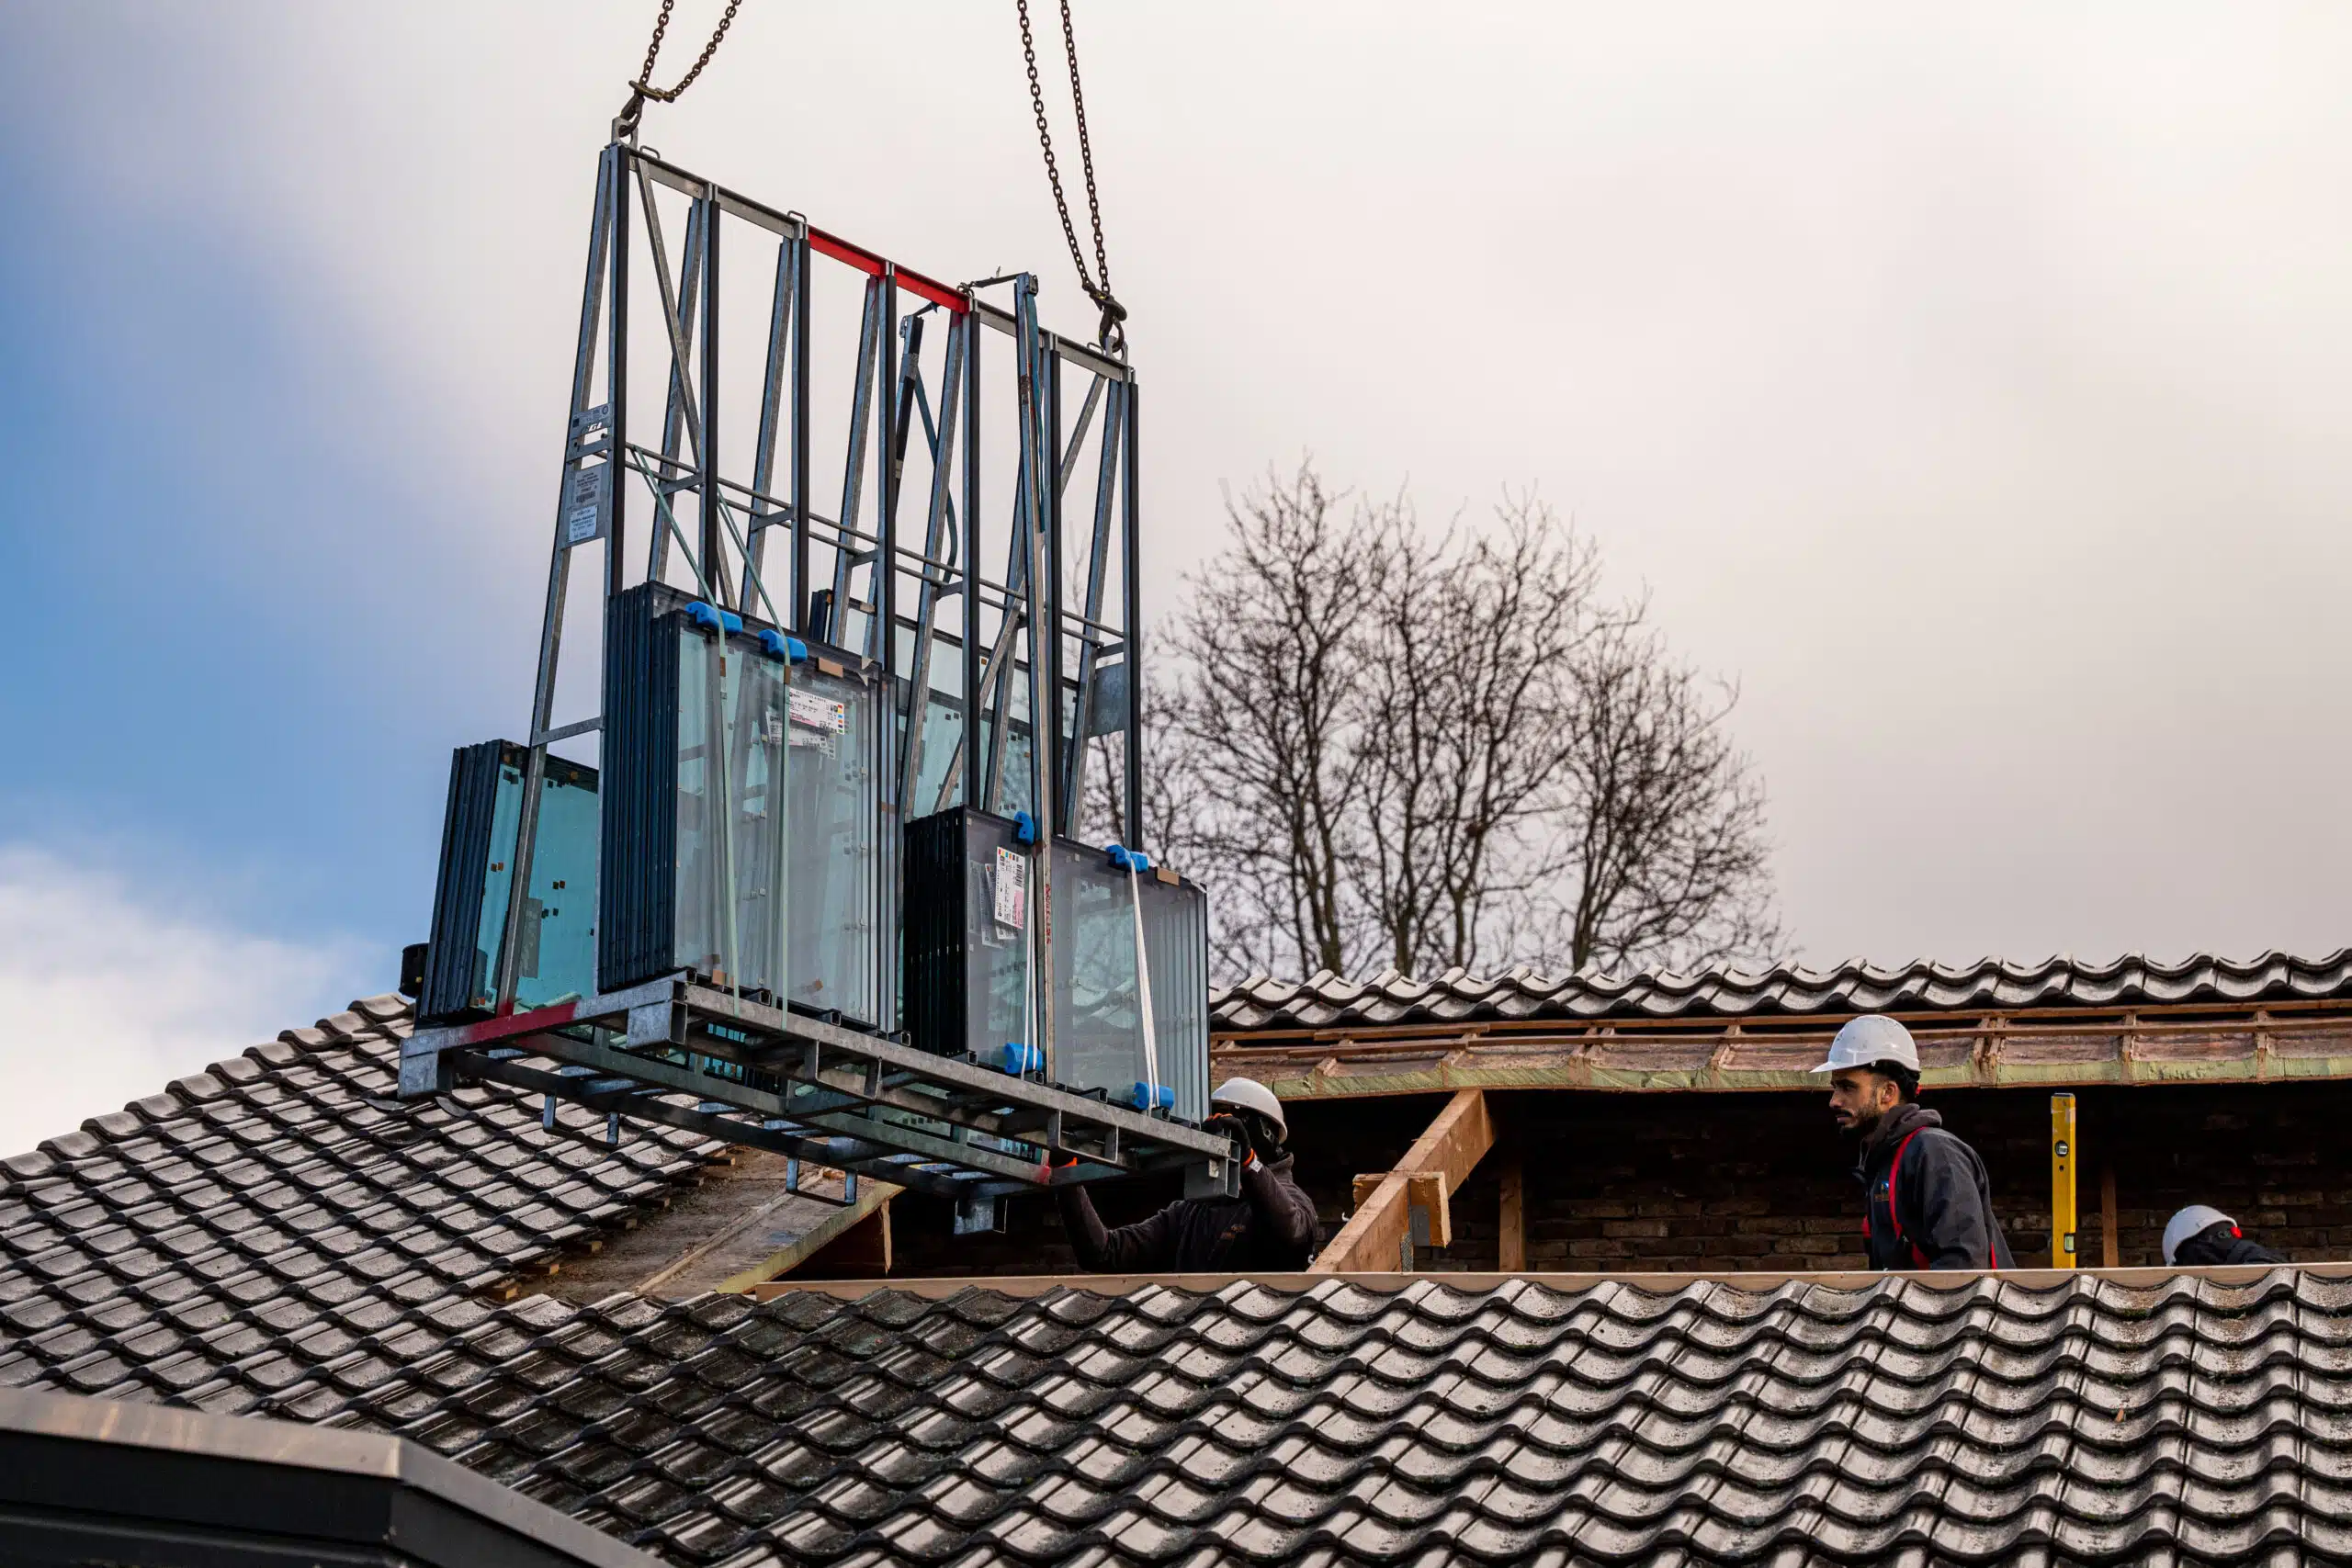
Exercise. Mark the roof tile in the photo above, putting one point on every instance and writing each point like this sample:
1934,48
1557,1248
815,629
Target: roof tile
276,1237
1444,1452
1327,1001
197,1206
29,1166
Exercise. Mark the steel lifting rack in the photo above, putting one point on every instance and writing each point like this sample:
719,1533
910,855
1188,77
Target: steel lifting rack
709,1061
1010,692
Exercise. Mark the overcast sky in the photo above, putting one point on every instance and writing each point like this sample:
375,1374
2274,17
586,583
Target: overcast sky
1970,386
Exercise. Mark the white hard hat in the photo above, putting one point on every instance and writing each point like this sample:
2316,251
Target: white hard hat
1874,1037
1251,1095
2195,1220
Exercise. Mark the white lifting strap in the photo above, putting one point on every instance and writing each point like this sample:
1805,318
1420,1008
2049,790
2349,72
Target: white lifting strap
1032,932
718,835
1142,990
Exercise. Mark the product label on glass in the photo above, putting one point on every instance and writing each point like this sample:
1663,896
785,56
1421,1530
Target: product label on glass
818,713
1011,886
817,721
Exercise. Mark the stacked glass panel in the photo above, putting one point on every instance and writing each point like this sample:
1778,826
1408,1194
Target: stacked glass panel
1117,925
744,810
971,973
556,936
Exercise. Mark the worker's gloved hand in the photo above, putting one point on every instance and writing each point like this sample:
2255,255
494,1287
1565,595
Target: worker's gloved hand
1254,1134
1225,1125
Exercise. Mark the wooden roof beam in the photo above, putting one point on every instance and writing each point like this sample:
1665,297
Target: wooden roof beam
1374,1240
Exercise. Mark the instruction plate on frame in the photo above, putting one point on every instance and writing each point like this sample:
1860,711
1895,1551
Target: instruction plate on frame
586,497
1011,886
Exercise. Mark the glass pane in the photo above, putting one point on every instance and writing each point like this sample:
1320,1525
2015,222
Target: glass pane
557,937
730,810
836,941
996,946
1014,792
1176,935
1098,1019
498,881
943,732
559,930
1097,1016
757,699
695,930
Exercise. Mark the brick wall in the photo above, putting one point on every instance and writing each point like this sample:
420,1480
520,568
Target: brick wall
1714,1181
1762,1181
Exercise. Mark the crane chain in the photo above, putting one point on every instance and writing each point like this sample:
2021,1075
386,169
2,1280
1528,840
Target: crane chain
643,87
1097,285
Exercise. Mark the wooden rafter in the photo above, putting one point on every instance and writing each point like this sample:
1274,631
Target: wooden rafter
1432,1170
873,1204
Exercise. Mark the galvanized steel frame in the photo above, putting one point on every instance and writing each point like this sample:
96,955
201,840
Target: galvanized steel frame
890,401
725,552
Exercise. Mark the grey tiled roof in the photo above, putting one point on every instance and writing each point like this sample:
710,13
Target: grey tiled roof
1328,1001
276,1235
214,1242
1989,1422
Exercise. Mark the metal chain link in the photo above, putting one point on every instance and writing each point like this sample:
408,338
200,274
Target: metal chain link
643,88
1112,333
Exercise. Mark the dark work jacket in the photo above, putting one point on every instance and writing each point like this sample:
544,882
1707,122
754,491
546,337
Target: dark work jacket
1269,1229
2221,1243
1940,1212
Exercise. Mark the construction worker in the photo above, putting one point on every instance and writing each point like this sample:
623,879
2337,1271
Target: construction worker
2197,1236
1270,1228
1926,1203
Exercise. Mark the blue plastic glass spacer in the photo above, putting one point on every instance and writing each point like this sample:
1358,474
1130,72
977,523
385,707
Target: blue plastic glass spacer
1125,858
776,644
1147,1099
1019,1058
702,613
1024,828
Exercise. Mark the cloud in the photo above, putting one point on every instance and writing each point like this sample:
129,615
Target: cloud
108,993
1966,385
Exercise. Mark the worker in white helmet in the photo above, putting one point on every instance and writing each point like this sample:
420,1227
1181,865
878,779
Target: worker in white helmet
1270,1228
1926,1202
2198,1236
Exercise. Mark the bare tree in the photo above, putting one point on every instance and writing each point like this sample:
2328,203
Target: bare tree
1267,661
1663,816
1381,747
1464,728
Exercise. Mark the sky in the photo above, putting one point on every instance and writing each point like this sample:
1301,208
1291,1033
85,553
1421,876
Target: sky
1968,386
